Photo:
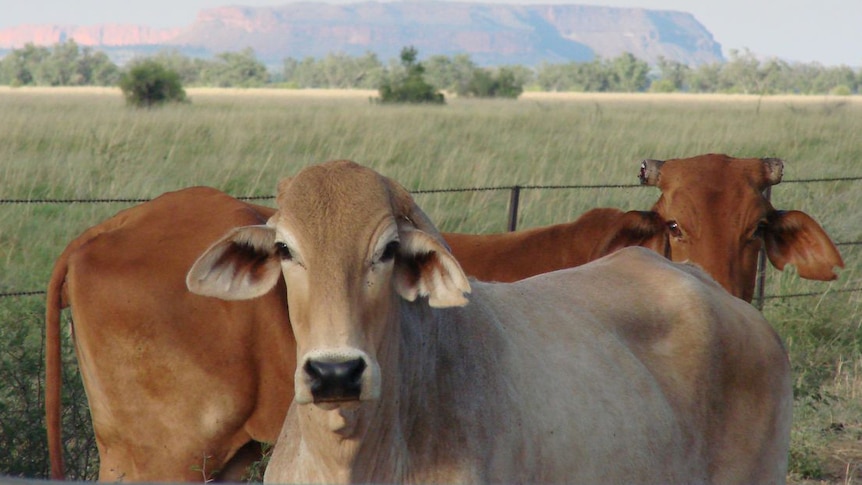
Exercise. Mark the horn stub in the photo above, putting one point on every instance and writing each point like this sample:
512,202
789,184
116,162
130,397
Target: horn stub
773,170
650,171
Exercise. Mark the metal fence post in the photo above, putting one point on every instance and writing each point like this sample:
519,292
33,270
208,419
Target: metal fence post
514,198
760,283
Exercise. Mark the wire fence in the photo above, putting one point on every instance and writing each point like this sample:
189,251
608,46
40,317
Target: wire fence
512,218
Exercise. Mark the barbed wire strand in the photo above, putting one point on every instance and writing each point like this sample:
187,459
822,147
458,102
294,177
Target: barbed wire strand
18,294
418,191
23,293
448,190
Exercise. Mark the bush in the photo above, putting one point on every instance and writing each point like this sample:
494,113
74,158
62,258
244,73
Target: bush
484,84
662,86
149,84
22,402
841,90
412,88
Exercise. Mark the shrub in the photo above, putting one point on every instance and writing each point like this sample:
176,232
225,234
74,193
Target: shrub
841,90
662,86
22,402
483,84
412,88
149,84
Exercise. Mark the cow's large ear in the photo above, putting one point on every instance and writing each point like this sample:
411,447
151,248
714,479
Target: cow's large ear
425,267
240,266
632,228
793,237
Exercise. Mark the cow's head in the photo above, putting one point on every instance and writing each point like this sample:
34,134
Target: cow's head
350,244
717,216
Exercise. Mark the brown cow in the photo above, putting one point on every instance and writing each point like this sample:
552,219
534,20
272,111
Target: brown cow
717,217
174,379
176,383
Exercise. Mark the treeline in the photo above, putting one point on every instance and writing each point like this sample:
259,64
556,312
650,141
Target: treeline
67,64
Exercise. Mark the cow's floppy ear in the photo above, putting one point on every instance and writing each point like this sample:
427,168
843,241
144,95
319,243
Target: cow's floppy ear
425,267
240,266
793,237
634,228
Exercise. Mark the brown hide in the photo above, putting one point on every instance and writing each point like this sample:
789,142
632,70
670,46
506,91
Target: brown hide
512,256
174,380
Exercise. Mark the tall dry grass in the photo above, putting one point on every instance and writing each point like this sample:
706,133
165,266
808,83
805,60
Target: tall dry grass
86,144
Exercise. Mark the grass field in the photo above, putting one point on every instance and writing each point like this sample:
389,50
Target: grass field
86,144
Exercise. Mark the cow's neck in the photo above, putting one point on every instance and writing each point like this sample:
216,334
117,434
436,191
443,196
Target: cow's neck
382,453
361,442
445,395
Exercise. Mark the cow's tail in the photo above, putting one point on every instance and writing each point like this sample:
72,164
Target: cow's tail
53,364
56,300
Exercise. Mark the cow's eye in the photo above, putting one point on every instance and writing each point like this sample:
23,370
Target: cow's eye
283,251
674,229
389,251
759,231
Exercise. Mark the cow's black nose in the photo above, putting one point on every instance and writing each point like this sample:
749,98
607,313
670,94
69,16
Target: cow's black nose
335,381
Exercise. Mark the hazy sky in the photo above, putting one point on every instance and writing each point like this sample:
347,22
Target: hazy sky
825,31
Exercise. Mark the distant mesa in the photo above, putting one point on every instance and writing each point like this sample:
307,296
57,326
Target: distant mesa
492,34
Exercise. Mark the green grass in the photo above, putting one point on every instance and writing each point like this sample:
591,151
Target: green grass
89,145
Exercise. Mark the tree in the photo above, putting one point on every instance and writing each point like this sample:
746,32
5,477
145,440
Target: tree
555,77
705,78
235,69
64,65
189,69
368,71
672,76
523,76
742,73
95,68
629,73
838,80
302,74
60,67
149,84
23,67
411,87
342,71
452,74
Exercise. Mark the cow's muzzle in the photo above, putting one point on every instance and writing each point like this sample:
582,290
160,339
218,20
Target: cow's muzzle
335,381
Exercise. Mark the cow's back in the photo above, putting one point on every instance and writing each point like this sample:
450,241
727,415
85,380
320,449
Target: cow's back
512,256
173,379
720,365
